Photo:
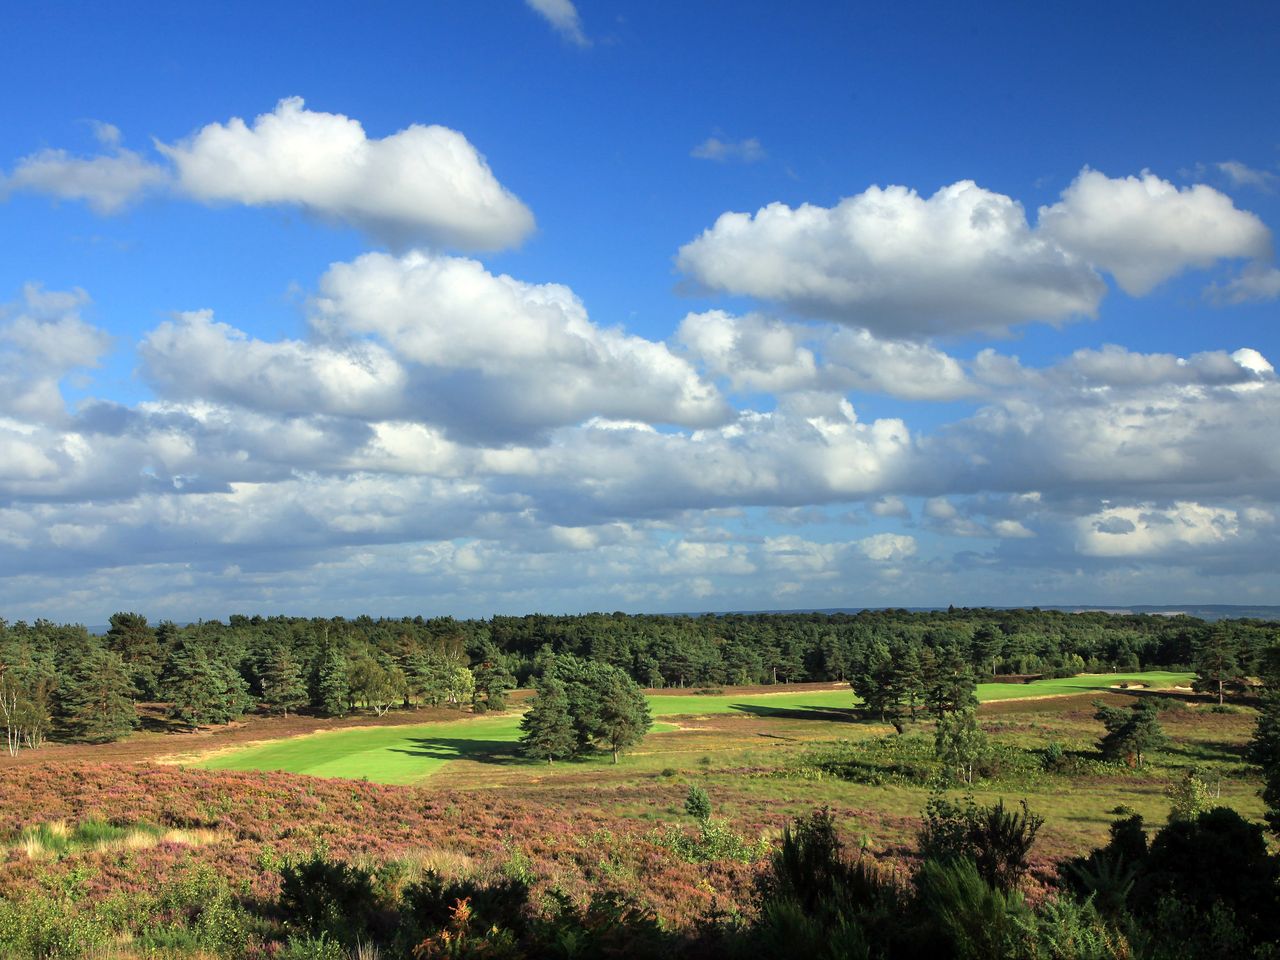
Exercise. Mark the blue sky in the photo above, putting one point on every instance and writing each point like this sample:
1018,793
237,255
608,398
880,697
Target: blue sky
466,308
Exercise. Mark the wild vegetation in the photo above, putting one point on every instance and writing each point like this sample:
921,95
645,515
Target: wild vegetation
947,811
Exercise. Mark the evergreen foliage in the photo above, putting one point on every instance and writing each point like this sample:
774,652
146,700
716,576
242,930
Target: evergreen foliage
331,690
1131,733
136,643
283,688
1217,663
97,702
547,727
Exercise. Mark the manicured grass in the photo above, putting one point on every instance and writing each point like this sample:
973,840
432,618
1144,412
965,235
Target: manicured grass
405,754
396,755
839,700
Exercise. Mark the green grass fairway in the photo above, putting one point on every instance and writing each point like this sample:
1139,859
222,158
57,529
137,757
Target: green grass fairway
828,700
405,754
402,754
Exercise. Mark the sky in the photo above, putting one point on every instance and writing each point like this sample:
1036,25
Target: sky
459,307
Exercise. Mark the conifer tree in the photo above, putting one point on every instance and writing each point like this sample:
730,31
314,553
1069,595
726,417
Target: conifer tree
492,681
547,728
1217,663
624,715
332,688
96,703
952,687
135,642
282,686
1131,733
192,684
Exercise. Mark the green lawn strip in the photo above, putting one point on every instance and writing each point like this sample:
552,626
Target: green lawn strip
394,755
665,705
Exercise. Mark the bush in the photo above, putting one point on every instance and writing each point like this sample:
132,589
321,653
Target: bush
328,897
431,904
996,840
714,841
697,804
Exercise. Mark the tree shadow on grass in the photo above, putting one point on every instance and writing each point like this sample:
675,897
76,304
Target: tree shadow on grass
798,712
501,752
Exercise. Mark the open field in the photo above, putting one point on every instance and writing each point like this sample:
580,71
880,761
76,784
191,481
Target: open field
406,754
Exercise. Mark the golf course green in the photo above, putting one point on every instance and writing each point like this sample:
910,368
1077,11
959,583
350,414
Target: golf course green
405,754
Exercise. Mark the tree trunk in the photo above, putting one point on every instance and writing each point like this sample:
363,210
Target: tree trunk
615,755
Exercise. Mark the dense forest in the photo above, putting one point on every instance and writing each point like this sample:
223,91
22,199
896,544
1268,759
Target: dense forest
62,681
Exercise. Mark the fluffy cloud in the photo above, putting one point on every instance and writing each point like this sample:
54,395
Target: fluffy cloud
1144,230
1124,423
194,357
500,357
887,547
423,184
966,259
897,263
108,183
1146,530
756,353
563,16
42,339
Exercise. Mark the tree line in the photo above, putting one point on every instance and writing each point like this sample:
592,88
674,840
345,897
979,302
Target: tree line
61,681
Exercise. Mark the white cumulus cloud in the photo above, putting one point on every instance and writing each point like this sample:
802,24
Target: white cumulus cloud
424,184
1144,230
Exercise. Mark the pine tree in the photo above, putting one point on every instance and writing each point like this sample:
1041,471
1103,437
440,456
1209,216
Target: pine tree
952,687
135,642
1131,733
193,685
624,715
492,680
96,703
987,644
282,686
1217,662
331,689
547,729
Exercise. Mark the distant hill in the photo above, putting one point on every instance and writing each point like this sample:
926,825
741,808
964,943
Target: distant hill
1204,611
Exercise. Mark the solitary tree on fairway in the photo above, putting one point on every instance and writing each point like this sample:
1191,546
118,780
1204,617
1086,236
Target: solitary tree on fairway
547,729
